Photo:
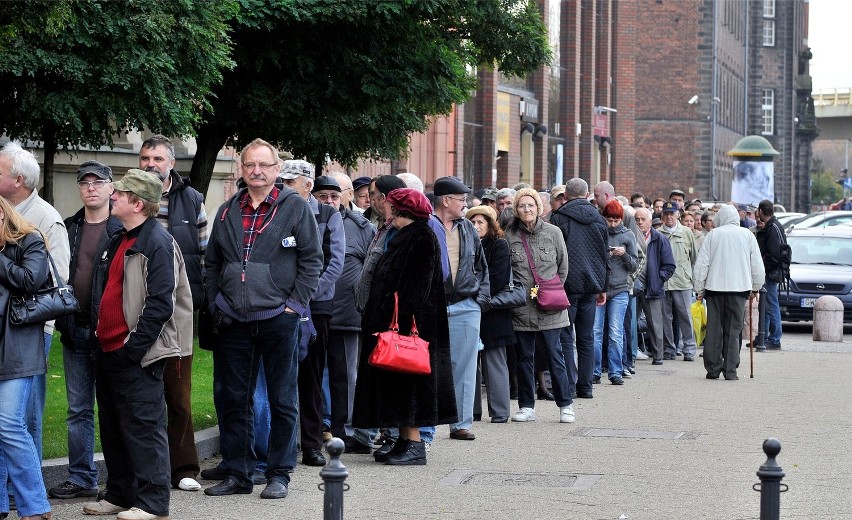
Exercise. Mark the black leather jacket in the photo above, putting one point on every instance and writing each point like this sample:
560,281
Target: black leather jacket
472,279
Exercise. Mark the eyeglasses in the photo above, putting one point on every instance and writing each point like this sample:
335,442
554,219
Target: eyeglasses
527,207
463,199
328,196
85,185
262,166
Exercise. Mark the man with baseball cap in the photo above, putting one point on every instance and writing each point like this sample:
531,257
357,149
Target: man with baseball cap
678,300
468,291
144,318
89,231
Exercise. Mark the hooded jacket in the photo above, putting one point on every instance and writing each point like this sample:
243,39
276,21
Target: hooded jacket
187,223
283,269
729,260
621,267
584,228
682,240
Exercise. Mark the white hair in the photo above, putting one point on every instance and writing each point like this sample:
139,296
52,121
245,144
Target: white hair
411,181
24,163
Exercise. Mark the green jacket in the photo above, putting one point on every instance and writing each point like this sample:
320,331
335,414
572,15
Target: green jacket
682,241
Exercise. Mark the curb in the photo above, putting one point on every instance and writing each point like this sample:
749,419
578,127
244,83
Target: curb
55,471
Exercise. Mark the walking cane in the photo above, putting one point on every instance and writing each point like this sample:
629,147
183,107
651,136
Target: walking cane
750,337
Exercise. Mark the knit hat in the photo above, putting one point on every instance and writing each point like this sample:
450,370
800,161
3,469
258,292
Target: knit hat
410,200
528,192
613,209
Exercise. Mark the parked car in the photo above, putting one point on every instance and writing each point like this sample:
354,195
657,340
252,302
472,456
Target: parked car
821,265
785,217
820,219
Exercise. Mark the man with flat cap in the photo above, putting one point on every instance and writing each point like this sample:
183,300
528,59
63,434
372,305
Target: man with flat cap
144,317
361,192
89,231
467,289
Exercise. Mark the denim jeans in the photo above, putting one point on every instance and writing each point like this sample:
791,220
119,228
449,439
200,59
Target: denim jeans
552,349
35,405
79,364
236,365
611,315
262,420
20,465
773,314
464,318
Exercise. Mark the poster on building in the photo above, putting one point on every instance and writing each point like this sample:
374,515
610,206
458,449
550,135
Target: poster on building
504,110
752,182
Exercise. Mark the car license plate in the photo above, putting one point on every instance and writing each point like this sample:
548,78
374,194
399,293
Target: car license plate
808,302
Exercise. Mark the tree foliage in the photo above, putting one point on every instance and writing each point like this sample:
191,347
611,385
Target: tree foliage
825,189
351,80
79,72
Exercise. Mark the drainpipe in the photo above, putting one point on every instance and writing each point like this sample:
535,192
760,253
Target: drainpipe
714,104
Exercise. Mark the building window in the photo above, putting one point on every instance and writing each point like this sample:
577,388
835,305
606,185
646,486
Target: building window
768,111
769,33
769,8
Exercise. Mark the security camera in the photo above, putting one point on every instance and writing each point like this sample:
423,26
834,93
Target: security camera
693,100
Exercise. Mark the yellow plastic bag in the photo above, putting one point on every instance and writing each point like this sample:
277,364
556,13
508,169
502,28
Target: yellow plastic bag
699,322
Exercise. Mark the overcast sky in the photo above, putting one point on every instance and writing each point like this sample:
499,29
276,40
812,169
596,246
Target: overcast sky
830,39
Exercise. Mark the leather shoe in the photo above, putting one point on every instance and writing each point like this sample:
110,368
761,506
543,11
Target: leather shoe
216,473
499,419
545,395
668,357
657,362
275,489
462,435
258,478
584,395
386,448
414,455
229,486
711,376
688,357
732,378
352,445
312,457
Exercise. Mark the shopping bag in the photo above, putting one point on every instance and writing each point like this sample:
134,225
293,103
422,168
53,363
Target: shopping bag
699,321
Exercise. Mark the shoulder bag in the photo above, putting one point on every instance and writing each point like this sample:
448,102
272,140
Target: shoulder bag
45,304
549,295
510,297
399,353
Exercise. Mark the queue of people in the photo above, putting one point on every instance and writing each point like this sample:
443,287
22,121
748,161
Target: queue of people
298,273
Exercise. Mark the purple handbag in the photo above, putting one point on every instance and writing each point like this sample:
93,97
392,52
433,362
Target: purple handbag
549,295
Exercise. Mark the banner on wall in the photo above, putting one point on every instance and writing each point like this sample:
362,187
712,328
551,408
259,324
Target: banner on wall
752,182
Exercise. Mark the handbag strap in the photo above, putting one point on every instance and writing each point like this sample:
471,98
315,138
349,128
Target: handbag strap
394,326
57,280
529,256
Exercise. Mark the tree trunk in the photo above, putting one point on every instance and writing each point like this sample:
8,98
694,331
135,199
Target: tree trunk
319,164
49,138
211,138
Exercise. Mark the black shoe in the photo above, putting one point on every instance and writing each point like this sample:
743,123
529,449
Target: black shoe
688,357
545,395
399,446
617,381
499,419
732,378
657,362
229,486
258,478
668,357
584,395
217,473
101,495
711,376
313,457
275,489
477,417
69,489
630,369
414,455
678,353
773,346
381,454
352,445
596,380
760,349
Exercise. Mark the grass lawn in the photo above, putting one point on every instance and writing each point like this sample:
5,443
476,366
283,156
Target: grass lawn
55,432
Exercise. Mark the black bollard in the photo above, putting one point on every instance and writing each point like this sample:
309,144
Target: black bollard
333,475
770,487
760,340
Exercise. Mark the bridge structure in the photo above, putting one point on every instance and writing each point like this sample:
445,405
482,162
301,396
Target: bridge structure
833,109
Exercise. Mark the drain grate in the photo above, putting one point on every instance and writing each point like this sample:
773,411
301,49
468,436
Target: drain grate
634,434
537,480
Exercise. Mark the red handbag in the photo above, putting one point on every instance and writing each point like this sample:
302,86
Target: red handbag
399,353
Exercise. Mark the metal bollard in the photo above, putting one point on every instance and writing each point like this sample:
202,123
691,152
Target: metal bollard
333,475
760,340
770,486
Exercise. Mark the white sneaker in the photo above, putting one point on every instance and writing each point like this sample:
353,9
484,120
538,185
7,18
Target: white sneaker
134,513
626,374
641,356
567,414
189,484
428,446
524,415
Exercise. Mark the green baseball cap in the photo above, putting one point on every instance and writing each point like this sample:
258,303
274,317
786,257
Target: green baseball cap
145,185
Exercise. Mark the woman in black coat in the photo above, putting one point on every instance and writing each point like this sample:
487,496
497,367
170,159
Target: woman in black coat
495,328
23,270
411,267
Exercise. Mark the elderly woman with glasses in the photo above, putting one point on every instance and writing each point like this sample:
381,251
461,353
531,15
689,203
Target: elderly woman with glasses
548,253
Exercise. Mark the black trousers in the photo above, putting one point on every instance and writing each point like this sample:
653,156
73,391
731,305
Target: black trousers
725,311
342,360
132,414
310,385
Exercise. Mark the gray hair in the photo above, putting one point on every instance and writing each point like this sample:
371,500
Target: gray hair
411,181
24,163
506,192
644,211
576,188
342,179
159,140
